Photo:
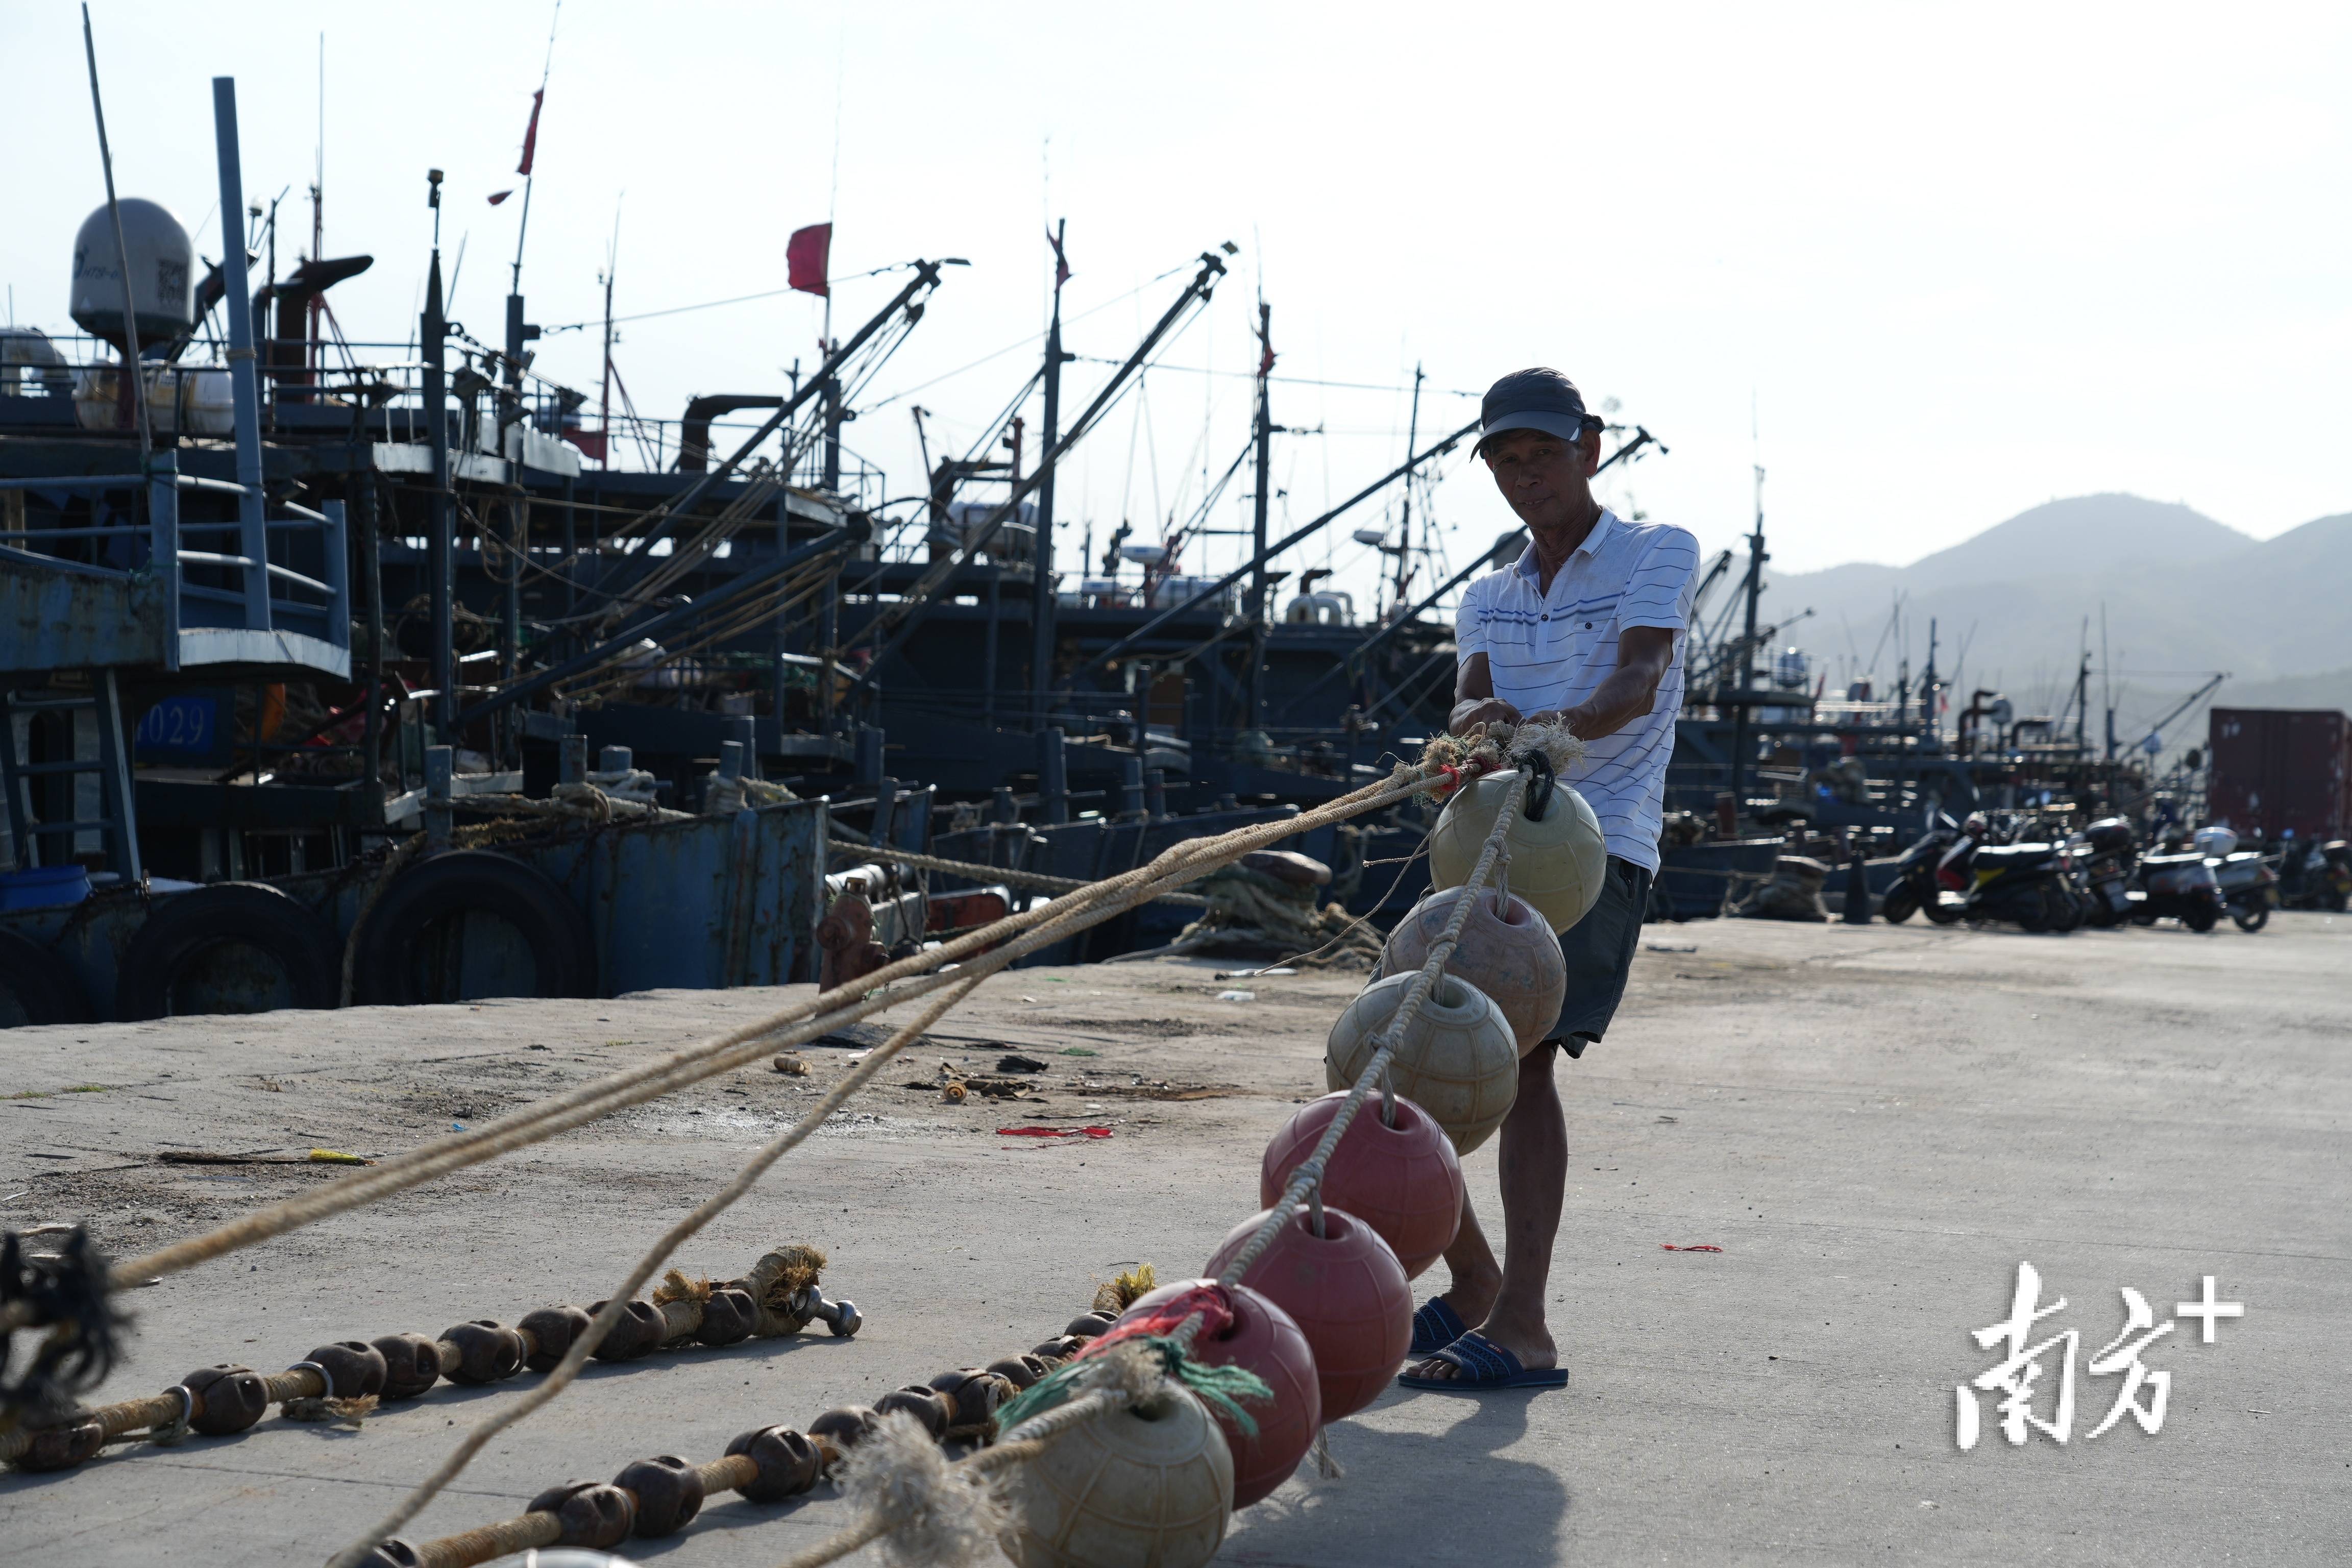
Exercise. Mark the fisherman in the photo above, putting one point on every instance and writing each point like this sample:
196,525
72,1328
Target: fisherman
1582,630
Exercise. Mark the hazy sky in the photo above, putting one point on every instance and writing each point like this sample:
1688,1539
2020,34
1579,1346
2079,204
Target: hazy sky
1956,260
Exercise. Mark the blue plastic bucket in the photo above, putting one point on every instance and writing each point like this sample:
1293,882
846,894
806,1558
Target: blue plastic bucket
44,888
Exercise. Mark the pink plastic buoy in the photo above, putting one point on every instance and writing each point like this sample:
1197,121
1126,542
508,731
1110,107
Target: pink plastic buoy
1346,1292
1405,1181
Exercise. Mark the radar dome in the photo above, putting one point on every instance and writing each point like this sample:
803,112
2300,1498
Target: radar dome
162,274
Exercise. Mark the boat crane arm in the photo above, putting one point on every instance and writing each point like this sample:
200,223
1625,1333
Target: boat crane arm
2189,702
1706,584
892,625
1270,551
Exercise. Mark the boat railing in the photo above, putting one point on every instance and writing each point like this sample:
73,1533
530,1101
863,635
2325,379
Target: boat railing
378,387
248,586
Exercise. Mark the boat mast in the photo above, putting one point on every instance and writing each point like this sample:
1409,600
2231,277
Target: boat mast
1405,526
314,349
432,333
510,405
1258,576
1043,603
1754,590
604,396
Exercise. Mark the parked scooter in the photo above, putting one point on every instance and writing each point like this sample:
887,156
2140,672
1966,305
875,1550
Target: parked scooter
2323,879
2106,853
2175,881
2249,887
1935,865
2030,884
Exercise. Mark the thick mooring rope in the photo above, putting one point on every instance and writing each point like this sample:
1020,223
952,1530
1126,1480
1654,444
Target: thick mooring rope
1113,1385
1060,920
1018,1446
646,1266
904,979
1085,906
1309,1174
1031,1436
979,872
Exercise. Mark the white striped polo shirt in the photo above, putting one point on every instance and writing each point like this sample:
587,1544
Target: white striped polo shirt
1551,651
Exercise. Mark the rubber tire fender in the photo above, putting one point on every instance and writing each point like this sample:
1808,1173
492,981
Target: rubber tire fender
184,925
43,987
562,951
1902,901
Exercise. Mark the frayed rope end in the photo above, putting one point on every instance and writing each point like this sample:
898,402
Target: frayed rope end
941,1515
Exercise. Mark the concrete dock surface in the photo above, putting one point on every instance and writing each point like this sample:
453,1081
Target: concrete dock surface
1876,1125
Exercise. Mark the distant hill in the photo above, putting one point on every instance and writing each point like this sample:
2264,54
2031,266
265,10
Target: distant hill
2181,592
2088,535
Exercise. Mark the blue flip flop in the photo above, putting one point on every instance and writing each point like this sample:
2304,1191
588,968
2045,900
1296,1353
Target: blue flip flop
1435,1326
1484,1365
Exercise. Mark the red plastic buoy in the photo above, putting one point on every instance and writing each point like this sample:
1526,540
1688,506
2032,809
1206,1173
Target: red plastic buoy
1346,1292
1263,1340
1405,1182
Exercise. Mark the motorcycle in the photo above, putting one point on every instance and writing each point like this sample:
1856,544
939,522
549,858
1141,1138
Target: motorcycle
2249,887
2030,884
2105,852
1935,865
2175,881
2322,878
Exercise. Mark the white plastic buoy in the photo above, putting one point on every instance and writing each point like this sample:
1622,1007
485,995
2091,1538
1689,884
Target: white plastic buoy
1150,1487
1507,949
1557,863
1458,1062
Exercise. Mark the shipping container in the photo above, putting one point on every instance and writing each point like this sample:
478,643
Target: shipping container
2281,769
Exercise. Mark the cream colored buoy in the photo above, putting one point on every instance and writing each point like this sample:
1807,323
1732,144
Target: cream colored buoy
1458,1062
1507,950
1151,1486
1556,864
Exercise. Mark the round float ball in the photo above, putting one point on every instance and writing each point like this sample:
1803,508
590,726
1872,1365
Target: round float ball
1458,1062
1261,1339
1558,864
1404,1181
1346,1291
1507,950
1149,1485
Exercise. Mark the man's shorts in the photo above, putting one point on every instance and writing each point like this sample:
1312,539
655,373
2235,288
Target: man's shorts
1599,951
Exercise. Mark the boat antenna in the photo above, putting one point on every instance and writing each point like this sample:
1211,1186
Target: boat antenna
138,391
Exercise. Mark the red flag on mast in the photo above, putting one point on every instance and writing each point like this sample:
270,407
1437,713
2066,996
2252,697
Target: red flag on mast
1061,260
530,134
807,255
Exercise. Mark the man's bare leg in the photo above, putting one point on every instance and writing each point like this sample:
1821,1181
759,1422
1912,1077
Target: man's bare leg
1534,1169
1477,1279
